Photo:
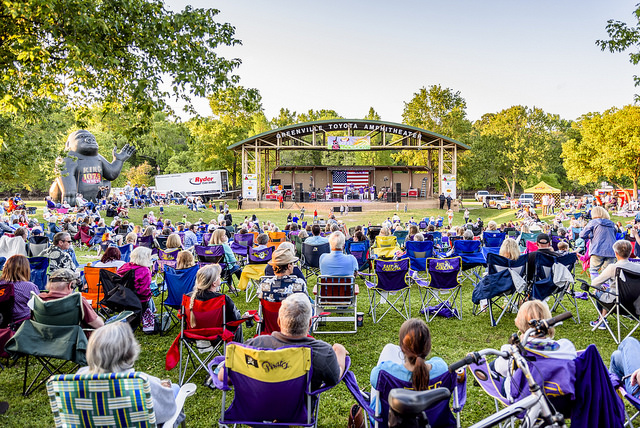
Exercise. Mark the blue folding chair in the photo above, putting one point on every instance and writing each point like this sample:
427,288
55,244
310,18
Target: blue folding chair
360,250
419,252
548,280
311,257
39,266
504,286
178,282
125,252
473,261
437,238
492,238
390,286
442,288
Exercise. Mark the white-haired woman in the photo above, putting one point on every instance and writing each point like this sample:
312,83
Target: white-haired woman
114,349
602,232
208,287
140,262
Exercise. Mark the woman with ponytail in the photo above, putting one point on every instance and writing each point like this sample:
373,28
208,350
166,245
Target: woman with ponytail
408,361
208,287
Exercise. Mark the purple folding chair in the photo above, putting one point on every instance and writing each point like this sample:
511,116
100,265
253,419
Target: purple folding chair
210,255
241,243
259,383
389,285
580,389
167,258
145,241
206,238
439,415
260,256
440,291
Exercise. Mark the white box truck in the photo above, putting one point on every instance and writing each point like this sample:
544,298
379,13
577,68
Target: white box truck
206,184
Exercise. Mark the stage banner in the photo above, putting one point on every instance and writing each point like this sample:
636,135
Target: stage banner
348,143
448,185
250,186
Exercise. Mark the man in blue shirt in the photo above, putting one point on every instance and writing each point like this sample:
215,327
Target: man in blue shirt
336,263
316,239
190,237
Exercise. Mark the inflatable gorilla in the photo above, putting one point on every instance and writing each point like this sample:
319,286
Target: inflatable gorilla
85,170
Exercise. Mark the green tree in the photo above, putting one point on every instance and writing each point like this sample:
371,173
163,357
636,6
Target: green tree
624,37
119,52
609,148
513,145
140,175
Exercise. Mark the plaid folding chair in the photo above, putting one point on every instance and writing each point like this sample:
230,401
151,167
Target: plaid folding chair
259,386
624,307
178,283
311,257
337,295
554,277
254,271
53,337
442,288
439,415
419,252
389,285
504,286
109,399
195,346
473,261
92,292
360,250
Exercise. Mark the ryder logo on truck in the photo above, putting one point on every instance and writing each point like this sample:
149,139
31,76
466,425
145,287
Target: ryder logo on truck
201,180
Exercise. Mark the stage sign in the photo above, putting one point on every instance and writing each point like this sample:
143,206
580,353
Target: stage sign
250,186
448,185
348,143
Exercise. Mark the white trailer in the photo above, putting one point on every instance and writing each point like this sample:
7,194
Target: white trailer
207,184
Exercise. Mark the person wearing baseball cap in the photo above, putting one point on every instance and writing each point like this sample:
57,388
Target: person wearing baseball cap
277,288
544,246
62,282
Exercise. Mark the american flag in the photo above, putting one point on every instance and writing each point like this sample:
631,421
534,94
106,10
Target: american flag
343,178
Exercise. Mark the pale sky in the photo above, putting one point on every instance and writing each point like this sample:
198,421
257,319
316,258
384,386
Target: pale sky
352,55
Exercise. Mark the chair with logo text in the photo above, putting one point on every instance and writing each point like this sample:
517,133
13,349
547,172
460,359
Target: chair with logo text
389,286
254,271
442,288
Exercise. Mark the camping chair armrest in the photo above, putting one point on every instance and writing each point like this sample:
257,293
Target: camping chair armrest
247,317
366,274
585,286
186,390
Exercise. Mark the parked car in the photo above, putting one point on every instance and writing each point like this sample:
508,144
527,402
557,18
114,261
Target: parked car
495,201
480,194
526,199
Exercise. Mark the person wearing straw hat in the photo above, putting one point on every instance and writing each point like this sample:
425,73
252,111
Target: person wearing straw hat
277,288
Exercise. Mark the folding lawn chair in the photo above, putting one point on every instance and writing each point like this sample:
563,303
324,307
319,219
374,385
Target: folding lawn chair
268,313
93,291
580,389
385,247
167,258
492,241
276,238
241,244
53,337
401,236
504,286
419,252
553,277
373,232
389,285
258,389
527,237
195,346
630,399
36,245
145,241
108,399
162,242
125,252
39,266
436,237
473,261
624,307
337,295
441,288
178,282
360,250
253,271
439,415
119,295
311,257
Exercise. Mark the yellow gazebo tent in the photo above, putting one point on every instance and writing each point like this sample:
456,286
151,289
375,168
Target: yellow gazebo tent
541,189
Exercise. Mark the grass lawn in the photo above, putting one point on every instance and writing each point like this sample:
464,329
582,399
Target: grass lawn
452,338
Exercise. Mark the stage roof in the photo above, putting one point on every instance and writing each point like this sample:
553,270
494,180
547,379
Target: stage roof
292,137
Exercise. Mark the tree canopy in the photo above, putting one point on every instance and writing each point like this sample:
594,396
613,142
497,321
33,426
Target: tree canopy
608,147
129,53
